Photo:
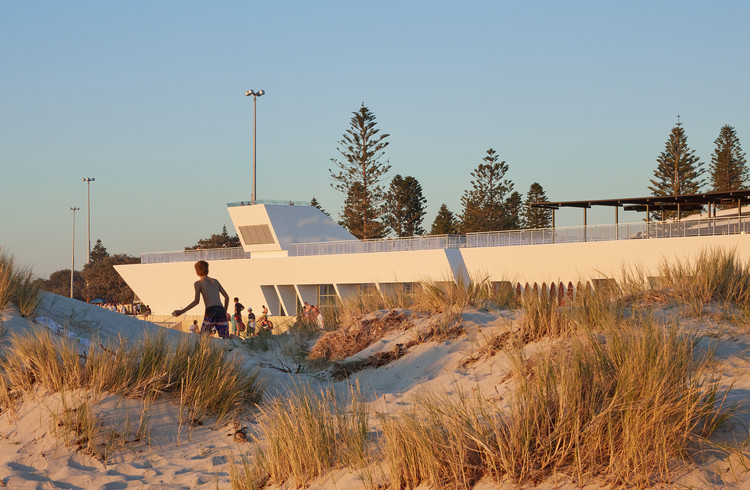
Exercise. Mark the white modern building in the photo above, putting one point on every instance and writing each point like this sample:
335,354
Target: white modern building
292,253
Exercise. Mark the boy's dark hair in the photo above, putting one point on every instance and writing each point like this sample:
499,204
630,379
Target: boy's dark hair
236,299
201,267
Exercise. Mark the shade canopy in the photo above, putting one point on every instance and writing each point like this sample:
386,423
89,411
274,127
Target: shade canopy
686,202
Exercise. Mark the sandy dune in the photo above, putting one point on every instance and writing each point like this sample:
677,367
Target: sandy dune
35,454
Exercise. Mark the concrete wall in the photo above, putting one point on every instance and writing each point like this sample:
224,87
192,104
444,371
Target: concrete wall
288,224
280,281
258,281
575,261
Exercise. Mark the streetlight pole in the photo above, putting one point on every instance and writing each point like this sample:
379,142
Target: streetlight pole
73,253
255,103
88,181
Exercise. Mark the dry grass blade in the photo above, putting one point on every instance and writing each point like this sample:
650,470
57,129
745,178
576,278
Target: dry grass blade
433,443
714,275
624,406
305,432
199,371
17,287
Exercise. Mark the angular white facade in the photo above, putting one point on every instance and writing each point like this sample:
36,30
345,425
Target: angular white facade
291,254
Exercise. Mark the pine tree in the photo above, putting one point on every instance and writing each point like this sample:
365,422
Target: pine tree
356,215
445,223
98,252
314,203
728,167
404,206
484,204
221,240
360,173
536,217
514,211
678,170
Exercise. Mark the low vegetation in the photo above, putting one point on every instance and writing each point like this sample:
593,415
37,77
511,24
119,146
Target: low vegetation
427,297
17,286
713,276
622,407
196,372
92,433
306,432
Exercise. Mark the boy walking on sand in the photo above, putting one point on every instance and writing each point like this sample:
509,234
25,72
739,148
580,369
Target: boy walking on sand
210,289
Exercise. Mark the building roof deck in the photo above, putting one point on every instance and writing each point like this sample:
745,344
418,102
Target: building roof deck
725,225
652,203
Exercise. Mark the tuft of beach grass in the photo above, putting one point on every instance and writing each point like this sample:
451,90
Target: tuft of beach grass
623,406
17,287
197,371
305,432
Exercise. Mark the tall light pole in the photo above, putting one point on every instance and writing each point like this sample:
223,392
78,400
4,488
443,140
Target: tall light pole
88,181
255,103
73,254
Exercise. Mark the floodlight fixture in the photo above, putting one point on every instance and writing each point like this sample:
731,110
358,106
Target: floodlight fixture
255,103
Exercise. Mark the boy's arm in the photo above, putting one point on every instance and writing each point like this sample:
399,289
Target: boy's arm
226,296
195,301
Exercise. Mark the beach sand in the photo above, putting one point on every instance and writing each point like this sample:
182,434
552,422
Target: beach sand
35,454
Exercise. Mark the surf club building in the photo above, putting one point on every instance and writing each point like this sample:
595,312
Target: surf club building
293,253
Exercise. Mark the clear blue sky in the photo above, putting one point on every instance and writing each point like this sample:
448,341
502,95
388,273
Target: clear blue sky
148,98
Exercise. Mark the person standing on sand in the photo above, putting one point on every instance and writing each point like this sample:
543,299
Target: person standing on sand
210,289
238,307
250,322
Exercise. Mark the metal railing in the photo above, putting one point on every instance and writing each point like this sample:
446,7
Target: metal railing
274,202
194,255
407,244
572,234
543,236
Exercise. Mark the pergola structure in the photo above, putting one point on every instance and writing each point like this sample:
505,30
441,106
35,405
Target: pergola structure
679,203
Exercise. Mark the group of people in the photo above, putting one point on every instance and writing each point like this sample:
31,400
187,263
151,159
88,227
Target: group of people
125,308
263,323
216,318
311,314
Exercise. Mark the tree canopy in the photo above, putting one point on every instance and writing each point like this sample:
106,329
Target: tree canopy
101,280
359,175
404,207
59,283
445,223
678,170
728,169
485,207
314,203
97,280
217,241
536,217
98,252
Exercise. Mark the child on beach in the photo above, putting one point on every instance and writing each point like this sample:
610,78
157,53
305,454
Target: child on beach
238,307
210,289
250,322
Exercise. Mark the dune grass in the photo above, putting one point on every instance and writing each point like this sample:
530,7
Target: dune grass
545,316
713,276
433,443
624,408
306,432
17,287
428,296
197,372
